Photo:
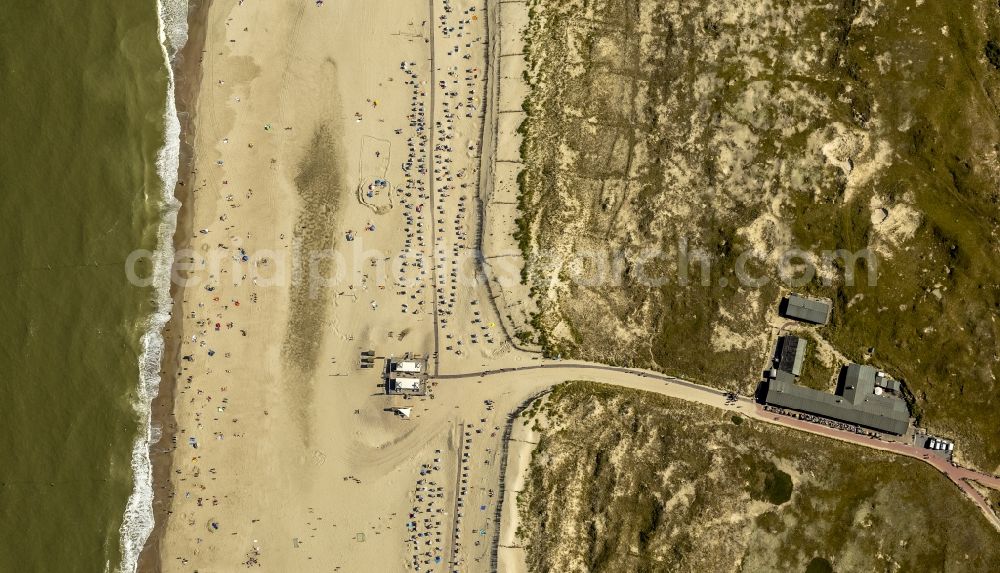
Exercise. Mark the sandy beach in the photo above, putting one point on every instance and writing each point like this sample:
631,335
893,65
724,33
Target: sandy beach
330,210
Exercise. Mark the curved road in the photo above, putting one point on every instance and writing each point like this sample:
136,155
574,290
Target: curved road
552,373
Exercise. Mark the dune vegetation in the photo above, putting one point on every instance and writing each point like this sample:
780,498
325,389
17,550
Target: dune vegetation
763,136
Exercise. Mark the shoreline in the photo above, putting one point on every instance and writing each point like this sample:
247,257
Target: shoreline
187,78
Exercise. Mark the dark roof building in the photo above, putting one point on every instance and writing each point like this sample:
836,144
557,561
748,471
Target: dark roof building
791,353
805,309
855,401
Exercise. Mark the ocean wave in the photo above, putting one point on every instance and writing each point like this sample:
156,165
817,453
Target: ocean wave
137,523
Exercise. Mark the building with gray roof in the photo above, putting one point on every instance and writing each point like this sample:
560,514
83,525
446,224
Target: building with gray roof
790,354
805,309
855,401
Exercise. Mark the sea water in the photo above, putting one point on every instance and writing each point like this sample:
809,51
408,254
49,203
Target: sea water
88,160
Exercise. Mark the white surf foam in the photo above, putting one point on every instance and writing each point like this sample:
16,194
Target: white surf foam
137,523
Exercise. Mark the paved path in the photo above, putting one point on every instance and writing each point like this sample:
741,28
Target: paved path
590,366
549,373
432,130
